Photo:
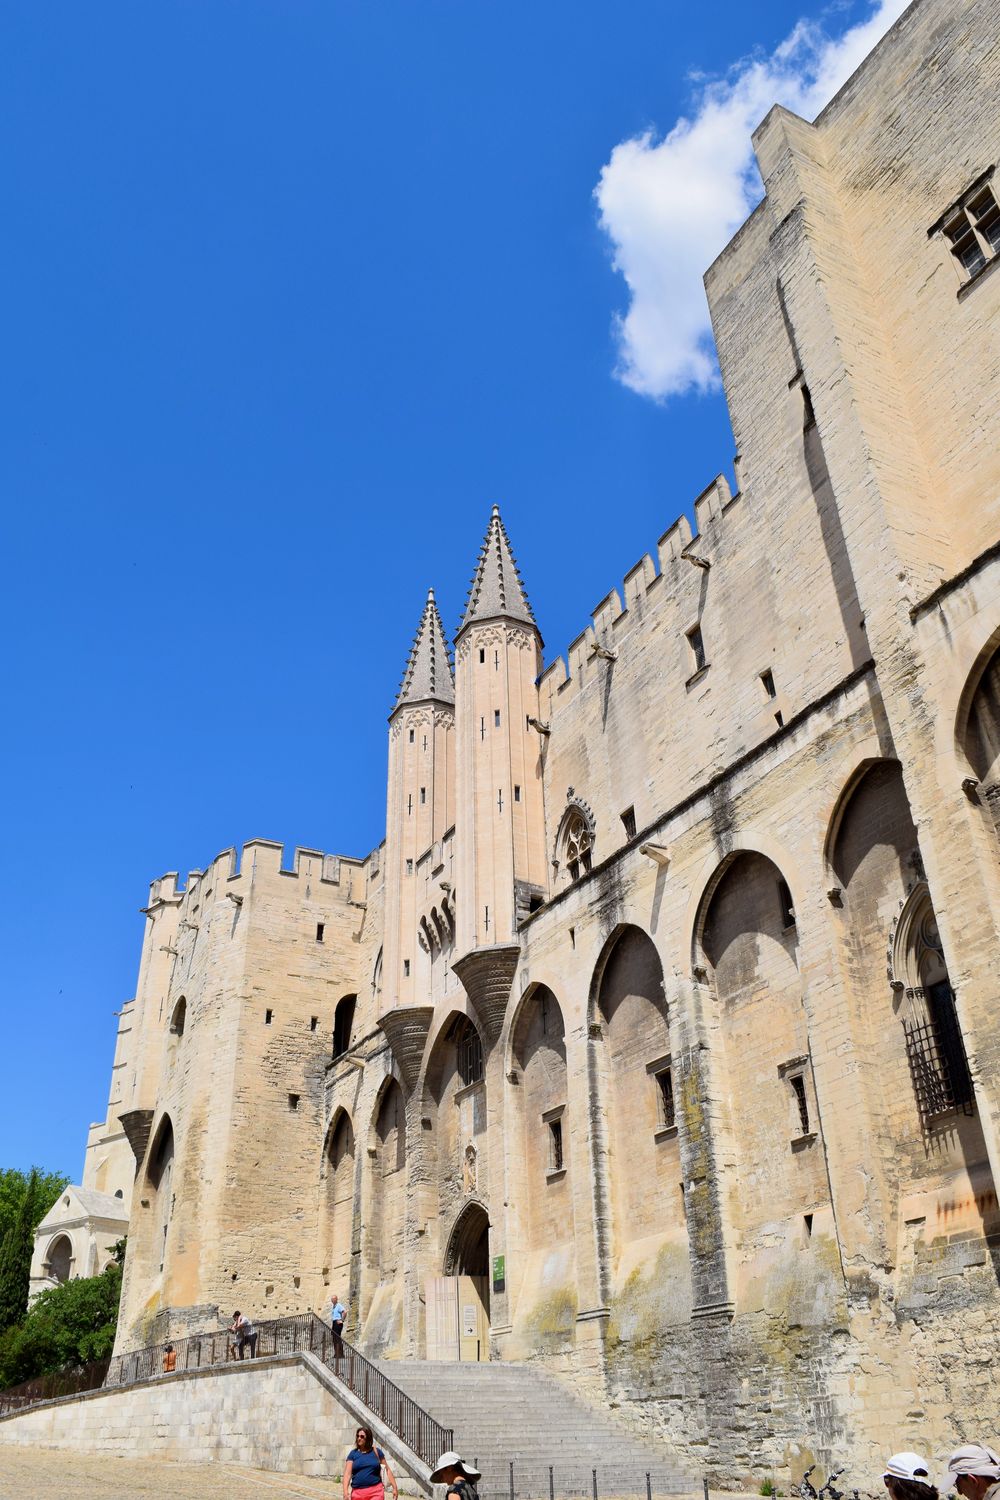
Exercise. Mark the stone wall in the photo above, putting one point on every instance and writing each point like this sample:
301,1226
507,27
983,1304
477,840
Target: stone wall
282,1413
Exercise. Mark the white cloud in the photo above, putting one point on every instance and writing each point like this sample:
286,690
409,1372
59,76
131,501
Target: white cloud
670,205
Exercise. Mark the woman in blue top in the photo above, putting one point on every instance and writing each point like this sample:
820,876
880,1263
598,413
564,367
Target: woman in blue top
363,1470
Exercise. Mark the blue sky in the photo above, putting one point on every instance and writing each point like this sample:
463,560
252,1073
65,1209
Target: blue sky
293,292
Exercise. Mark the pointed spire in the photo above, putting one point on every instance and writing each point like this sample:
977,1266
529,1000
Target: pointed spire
428,671
496,588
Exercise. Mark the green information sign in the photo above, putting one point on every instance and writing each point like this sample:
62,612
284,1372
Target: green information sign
499,1273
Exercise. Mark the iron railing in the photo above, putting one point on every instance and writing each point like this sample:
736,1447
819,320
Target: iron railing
50,1387
306,1332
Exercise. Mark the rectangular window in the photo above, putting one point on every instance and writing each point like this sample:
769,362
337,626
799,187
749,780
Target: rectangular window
313,1022
555,1146
409,867
268,1017
496,718
628,822
482,655
423,795
320,931
972,230
293,1101
665,1098
517,794
406,968
411,736
767,683
798,1083
696,642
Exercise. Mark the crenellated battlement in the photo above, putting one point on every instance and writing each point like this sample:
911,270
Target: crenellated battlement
679,552
260,860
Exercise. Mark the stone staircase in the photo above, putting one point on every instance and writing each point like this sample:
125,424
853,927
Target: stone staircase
502,1412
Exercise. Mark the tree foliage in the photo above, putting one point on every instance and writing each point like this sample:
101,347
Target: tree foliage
15,1260
14,1186
68,1325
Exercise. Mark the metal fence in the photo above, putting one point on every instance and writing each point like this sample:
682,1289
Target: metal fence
49,1387
306,1332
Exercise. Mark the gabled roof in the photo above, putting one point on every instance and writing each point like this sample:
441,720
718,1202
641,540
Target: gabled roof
84,1202
428,672
496,587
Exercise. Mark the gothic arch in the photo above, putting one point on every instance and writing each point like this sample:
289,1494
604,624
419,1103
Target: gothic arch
985,659
467,1249
337,1173
714,871
573,855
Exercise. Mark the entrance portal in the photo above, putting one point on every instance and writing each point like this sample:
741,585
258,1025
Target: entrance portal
458,1303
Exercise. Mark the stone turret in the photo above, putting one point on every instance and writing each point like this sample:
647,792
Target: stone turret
419,813
500,832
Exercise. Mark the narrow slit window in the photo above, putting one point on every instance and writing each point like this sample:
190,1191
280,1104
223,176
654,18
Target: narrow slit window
555,1146
409,803
798,1084
496,718
320,931
665,1098
406,968
517,794
268,1017
412,736
628,822
696,641
409,867
313,1022
482,655
767,683
423,795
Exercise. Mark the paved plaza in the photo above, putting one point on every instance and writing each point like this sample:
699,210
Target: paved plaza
49,1474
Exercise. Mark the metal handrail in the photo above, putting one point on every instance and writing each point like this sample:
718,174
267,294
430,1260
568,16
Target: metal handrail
71,1382
306,1332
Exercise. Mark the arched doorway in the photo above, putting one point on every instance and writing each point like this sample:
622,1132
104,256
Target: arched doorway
458,1303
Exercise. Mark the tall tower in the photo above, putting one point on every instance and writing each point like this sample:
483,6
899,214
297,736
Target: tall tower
500,821
420,805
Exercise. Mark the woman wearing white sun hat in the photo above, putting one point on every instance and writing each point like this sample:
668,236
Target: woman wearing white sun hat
460,1477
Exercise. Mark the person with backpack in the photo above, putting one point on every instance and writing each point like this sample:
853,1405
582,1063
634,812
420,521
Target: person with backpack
460,1477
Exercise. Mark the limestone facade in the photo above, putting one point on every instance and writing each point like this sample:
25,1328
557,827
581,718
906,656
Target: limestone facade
658,1039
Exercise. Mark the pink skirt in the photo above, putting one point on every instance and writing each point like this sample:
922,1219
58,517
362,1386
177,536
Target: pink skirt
369,1492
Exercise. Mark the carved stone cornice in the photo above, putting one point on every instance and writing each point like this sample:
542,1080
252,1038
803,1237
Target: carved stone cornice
406,1028
486,975
136,1125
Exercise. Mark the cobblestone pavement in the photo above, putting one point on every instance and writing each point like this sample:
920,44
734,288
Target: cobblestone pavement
49,1474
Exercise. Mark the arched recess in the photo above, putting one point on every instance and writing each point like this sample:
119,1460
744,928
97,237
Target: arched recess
159,1183
337,1205
979,735
343,1024
468,1249
540,1189
387,1153
575,842
637,1084
178,1017
59,1258
749,953
455,1105
907,1029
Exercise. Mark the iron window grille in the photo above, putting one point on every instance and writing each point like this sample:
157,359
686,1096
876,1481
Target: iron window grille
936,1053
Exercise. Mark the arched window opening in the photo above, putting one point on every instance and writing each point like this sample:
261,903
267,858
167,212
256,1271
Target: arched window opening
343,1024
178,1017
60,1258
468,1052
934,1047
577,845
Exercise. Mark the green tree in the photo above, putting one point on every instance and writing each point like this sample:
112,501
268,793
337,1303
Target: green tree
15,1260
68,1325
14,1185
